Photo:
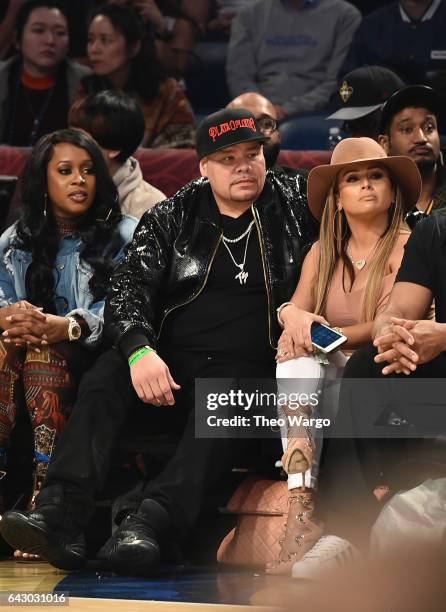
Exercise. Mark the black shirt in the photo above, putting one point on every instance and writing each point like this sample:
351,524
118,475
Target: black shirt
416,215
424,261
227,317
47,107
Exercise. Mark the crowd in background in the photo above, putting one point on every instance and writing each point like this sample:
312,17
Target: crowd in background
293,52
83,86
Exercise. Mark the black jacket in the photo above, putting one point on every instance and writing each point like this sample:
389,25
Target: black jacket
168,262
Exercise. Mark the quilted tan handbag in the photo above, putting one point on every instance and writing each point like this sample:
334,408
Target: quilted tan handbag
262,507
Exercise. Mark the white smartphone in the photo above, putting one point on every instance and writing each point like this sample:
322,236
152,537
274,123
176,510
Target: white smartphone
325,338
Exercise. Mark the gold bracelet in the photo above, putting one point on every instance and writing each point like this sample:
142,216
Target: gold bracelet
279,310
339,330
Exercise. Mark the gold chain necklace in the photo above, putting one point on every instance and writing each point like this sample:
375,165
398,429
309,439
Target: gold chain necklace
360,263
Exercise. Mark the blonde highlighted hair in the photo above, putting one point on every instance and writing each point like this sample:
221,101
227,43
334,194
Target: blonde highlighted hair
334,236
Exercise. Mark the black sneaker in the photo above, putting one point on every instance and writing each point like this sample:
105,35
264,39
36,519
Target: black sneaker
134,549
42,532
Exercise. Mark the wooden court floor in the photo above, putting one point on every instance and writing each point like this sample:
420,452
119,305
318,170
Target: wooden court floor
396,584
201,589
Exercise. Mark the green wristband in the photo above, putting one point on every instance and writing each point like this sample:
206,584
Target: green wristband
136,356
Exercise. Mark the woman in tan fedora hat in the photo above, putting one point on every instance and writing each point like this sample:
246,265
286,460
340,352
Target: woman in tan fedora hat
360,199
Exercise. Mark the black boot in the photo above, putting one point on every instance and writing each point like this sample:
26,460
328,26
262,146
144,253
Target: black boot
53,530
134,550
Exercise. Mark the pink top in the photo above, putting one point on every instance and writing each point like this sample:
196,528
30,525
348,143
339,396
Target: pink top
345,308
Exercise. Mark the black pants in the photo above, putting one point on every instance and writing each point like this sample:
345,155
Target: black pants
106,400
353,464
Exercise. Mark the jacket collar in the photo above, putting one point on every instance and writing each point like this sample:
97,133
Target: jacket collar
5,68
127,177
207,206
428,15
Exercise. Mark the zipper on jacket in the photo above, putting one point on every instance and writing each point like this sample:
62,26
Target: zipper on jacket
268,290
197,293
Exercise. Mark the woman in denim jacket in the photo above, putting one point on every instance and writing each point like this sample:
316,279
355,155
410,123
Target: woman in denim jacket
55,266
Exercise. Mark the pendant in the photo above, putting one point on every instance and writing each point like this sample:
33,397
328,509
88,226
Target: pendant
360,263
242,276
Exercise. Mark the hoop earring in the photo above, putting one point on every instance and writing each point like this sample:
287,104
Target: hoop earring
45,201
338,211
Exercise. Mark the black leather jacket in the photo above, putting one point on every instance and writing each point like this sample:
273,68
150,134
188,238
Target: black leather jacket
168,262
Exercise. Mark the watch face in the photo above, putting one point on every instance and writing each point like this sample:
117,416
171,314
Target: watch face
74,330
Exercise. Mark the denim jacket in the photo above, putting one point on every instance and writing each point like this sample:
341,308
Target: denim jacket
71,276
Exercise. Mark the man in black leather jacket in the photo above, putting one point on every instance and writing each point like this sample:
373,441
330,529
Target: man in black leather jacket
195,297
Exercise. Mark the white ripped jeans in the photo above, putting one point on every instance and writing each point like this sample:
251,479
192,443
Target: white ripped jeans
305,375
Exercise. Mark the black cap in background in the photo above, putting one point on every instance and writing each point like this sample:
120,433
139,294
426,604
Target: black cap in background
417,96
364,90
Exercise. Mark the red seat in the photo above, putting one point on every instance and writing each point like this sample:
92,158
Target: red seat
167,169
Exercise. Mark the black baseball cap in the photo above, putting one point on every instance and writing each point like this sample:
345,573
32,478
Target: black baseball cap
225,128
416,96
364,90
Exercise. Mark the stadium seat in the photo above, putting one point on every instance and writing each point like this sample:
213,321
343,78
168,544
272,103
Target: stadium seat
307,132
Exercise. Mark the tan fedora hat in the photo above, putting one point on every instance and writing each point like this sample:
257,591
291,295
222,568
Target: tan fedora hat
352,151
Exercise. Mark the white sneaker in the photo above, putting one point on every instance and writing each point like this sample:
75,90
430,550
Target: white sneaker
328,553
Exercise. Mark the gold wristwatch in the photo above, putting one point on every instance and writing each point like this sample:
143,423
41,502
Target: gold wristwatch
74,329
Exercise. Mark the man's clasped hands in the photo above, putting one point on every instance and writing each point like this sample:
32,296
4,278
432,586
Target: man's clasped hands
405,344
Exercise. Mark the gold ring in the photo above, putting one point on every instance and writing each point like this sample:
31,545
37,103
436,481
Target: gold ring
282,352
